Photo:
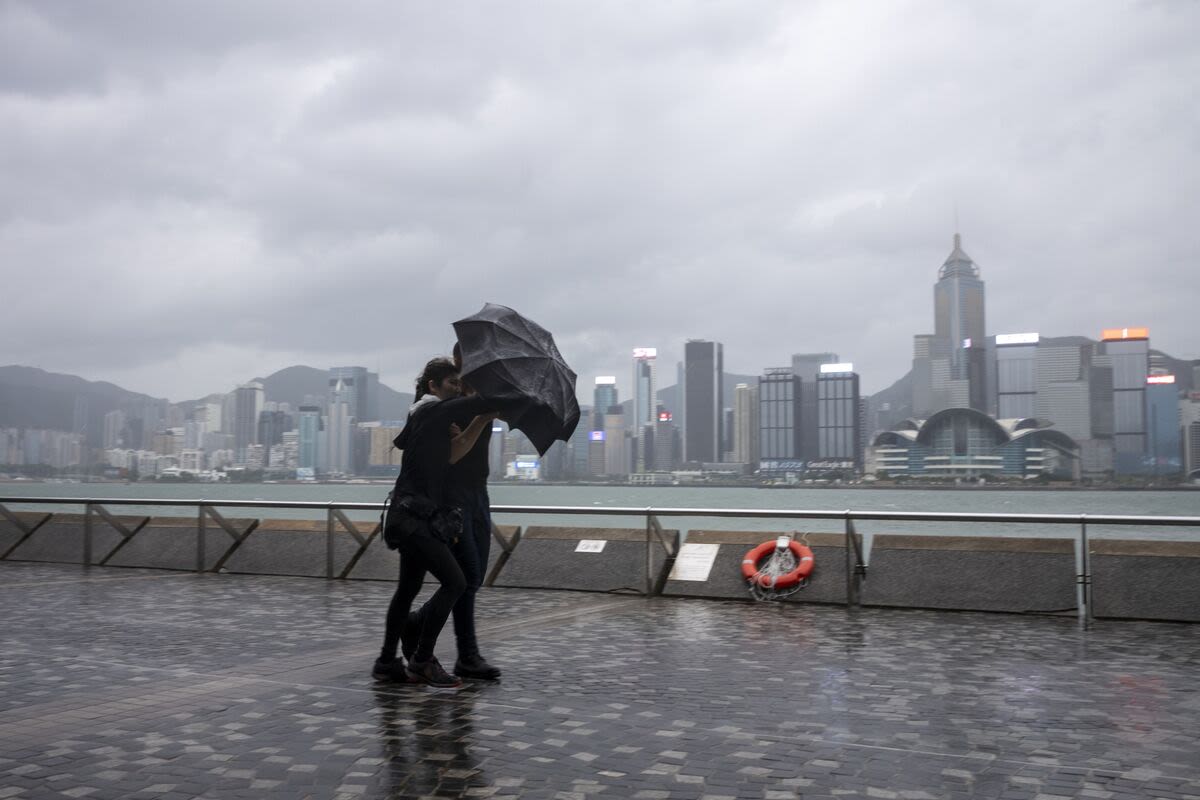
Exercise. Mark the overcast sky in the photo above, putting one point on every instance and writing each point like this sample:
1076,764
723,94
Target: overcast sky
193,194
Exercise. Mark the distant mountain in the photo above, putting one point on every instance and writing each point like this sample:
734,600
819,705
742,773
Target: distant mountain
292,384
33,398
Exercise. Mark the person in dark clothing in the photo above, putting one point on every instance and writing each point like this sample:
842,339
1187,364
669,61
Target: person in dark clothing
423,520
468,485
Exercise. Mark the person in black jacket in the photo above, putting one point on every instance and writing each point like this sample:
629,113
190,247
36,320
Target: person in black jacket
468,486
422,520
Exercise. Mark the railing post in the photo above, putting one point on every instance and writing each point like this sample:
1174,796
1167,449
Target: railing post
850,593
329,543
87,534
856,570
1083,577
649,559
201,537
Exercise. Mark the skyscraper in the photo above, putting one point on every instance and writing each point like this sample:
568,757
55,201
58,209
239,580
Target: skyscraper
309,426
616,453
664,441
114,429
745,424
1163,425
248,404
603,398
358,388
839,418
779,421
958,307
1016,375
577,464
644,402
340,438
1127,350
703,367
950,367
1189,419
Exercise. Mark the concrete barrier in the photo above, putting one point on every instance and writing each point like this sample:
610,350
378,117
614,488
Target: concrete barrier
552,558
827,583
1137,579
1146,579
971,573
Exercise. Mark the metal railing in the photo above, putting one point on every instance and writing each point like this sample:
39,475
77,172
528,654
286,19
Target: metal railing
856,566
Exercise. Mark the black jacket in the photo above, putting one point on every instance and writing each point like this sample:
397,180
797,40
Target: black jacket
425,440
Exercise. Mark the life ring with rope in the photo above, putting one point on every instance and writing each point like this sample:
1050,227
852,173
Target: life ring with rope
804,565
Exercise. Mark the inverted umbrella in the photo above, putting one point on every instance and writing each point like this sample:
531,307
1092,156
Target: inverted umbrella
506,356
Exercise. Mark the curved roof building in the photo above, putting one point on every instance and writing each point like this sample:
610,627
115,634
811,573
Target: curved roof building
965,443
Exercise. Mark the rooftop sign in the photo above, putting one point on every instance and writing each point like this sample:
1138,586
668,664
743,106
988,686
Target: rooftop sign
1116,334
844,367
645,352
1016,338
1160,379
606,380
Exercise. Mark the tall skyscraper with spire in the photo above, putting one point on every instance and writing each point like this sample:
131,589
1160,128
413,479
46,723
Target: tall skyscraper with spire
949,367
958,307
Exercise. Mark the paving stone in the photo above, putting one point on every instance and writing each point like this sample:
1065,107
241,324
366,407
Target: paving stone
145,684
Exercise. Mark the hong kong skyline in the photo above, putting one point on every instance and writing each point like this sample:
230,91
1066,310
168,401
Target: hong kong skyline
198,195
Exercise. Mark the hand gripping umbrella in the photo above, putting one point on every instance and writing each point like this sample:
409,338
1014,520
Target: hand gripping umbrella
508,357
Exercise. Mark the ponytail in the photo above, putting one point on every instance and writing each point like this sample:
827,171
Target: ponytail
437,370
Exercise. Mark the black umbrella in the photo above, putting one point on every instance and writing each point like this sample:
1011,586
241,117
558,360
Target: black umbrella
508,357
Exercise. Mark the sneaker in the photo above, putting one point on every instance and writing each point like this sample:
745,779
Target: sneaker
393,670
410,633
475,666
431,672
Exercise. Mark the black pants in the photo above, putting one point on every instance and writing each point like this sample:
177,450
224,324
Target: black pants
471,552
421,553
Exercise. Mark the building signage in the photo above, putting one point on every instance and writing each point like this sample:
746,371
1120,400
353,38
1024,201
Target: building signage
1016,338
606,380
1116,334
1160,379
828,368
645,352
596,436
664,416
781,465
830,465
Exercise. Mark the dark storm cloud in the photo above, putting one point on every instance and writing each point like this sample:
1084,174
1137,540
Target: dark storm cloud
198,193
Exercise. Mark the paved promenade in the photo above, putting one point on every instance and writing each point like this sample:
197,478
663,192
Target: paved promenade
119,683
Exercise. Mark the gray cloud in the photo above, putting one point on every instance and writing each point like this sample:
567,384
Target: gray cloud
197,193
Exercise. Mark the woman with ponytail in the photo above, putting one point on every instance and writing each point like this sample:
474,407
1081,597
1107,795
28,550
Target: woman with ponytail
423,522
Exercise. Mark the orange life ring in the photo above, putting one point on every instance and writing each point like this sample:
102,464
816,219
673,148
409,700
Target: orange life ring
804,565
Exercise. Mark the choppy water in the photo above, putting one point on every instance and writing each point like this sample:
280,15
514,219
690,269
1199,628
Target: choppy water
1160,503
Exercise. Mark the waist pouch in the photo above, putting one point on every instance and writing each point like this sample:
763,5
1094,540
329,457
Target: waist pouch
414,515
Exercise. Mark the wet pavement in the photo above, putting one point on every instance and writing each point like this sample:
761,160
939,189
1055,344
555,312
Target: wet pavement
120,683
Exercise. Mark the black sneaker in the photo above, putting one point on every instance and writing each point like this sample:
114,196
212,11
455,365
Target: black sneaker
475,666
431,672
393,670
410,632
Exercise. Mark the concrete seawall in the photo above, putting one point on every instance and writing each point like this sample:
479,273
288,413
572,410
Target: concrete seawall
1132,579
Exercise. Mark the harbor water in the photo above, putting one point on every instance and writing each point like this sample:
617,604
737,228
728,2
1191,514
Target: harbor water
836,500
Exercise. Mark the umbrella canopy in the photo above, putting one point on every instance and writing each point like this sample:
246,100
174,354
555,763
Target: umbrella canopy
506,356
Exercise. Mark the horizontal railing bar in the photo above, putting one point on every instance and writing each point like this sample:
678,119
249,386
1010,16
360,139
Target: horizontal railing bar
641,511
